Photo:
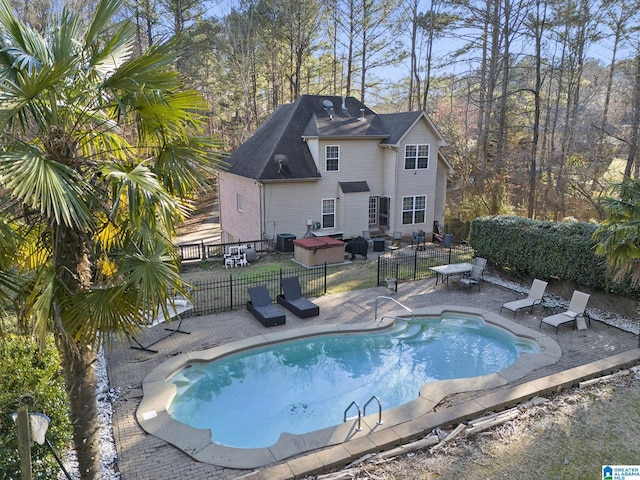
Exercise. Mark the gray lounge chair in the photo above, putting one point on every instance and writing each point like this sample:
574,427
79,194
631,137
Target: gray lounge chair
474,278
263,308
292,299
576,309
534,298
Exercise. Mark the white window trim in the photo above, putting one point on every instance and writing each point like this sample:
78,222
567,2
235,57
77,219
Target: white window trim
239,202
417,145
326,158
322,212
413,210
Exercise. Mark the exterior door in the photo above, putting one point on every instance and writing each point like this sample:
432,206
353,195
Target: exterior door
373,211
384,206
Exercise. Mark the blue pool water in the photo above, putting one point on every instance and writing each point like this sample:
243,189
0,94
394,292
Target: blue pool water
248,399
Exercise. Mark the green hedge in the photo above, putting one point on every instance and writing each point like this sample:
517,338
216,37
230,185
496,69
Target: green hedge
34,380
546,250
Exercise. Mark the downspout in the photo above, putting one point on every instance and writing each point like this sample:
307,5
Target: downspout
263,221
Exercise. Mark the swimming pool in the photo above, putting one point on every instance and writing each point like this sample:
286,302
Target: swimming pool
402,423
249,399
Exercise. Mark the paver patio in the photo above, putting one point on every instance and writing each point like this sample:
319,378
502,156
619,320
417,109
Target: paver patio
600,348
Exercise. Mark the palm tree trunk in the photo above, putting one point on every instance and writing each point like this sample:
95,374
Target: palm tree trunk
72,260
80,384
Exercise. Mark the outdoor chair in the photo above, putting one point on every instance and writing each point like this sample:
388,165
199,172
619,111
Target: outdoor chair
534,298
575,312
481,262
474,277
366,234
241,260
261,307
292,299
395,241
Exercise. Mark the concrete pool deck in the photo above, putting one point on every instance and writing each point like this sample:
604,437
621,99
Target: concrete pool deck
585,354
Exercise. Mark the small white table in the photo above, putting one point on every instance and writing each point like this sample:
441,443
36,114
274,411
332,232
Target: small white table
445,271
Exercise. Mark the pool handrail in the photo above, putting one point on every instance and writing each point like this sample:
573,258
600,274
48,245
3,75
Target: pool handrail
364,409
390,298
359,427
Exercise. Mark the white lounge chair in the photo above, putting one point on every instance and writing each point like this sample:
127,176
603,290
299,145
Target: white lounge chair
535,297
576,309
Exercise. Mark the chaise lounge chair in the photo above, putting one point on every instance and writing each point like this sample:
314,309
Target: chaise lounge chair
292,299
576,309
534,298
261,307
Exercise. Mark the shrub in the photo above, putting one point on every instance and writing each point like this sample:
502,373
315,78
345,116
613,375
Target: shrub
546,250
33,379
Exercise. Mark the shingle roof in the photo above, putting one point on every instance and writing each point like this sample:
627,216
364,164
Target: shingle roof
354,187
278,151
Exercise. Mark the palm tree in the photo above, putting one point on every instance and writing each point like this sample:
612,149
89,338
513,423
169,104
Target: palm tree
619,235
101,154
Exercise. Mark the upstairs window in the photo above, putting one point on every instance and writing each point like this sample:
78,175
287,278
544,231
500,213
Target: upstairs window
416,156
239,201
414,209
332,158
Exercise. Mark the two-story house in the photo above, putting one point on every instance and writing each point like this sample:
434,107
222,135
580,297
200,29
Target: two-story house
331,166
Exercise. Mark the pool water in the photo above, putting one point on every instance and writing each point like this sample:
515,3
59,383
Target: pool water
248,399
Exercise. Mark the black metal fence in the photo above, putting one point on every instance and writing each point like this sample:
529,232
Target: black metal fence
223,294
203,251
407,266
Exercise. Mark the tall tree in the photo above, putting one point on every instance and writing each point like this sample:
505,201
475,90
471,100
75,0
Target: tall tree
101,155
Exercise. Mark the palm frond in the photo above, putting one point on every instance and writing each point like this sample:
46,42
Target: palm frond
44,185
115,53
186,162
92,317
66,37
153,70
618,236
101,21
29,48
140,202
16,98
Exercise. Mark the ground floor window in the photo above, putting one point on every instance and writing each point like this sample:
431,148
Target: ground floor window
414,209
328,213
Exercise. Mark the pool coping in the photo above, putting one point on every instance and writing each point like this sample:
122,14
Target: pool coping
153,417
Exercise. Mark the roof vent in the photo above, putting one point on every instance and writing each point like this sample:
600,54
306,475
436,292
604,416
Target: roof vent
283,164
344,103
362,114
328,107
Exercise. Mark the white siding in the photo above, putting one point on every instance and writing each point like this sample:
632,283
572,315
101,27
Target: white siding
354,214
288,205
312,144
418,181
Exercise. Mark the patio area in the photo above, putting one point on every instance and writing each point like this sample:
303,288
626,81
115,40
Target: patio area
588,353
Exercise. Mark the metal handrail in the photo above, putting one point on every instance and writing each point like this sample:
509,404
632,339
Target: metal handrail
364,409
390,298
359,427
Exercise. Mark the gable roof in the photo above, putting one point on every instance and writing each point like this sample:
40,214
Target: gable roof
278,149
398,124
